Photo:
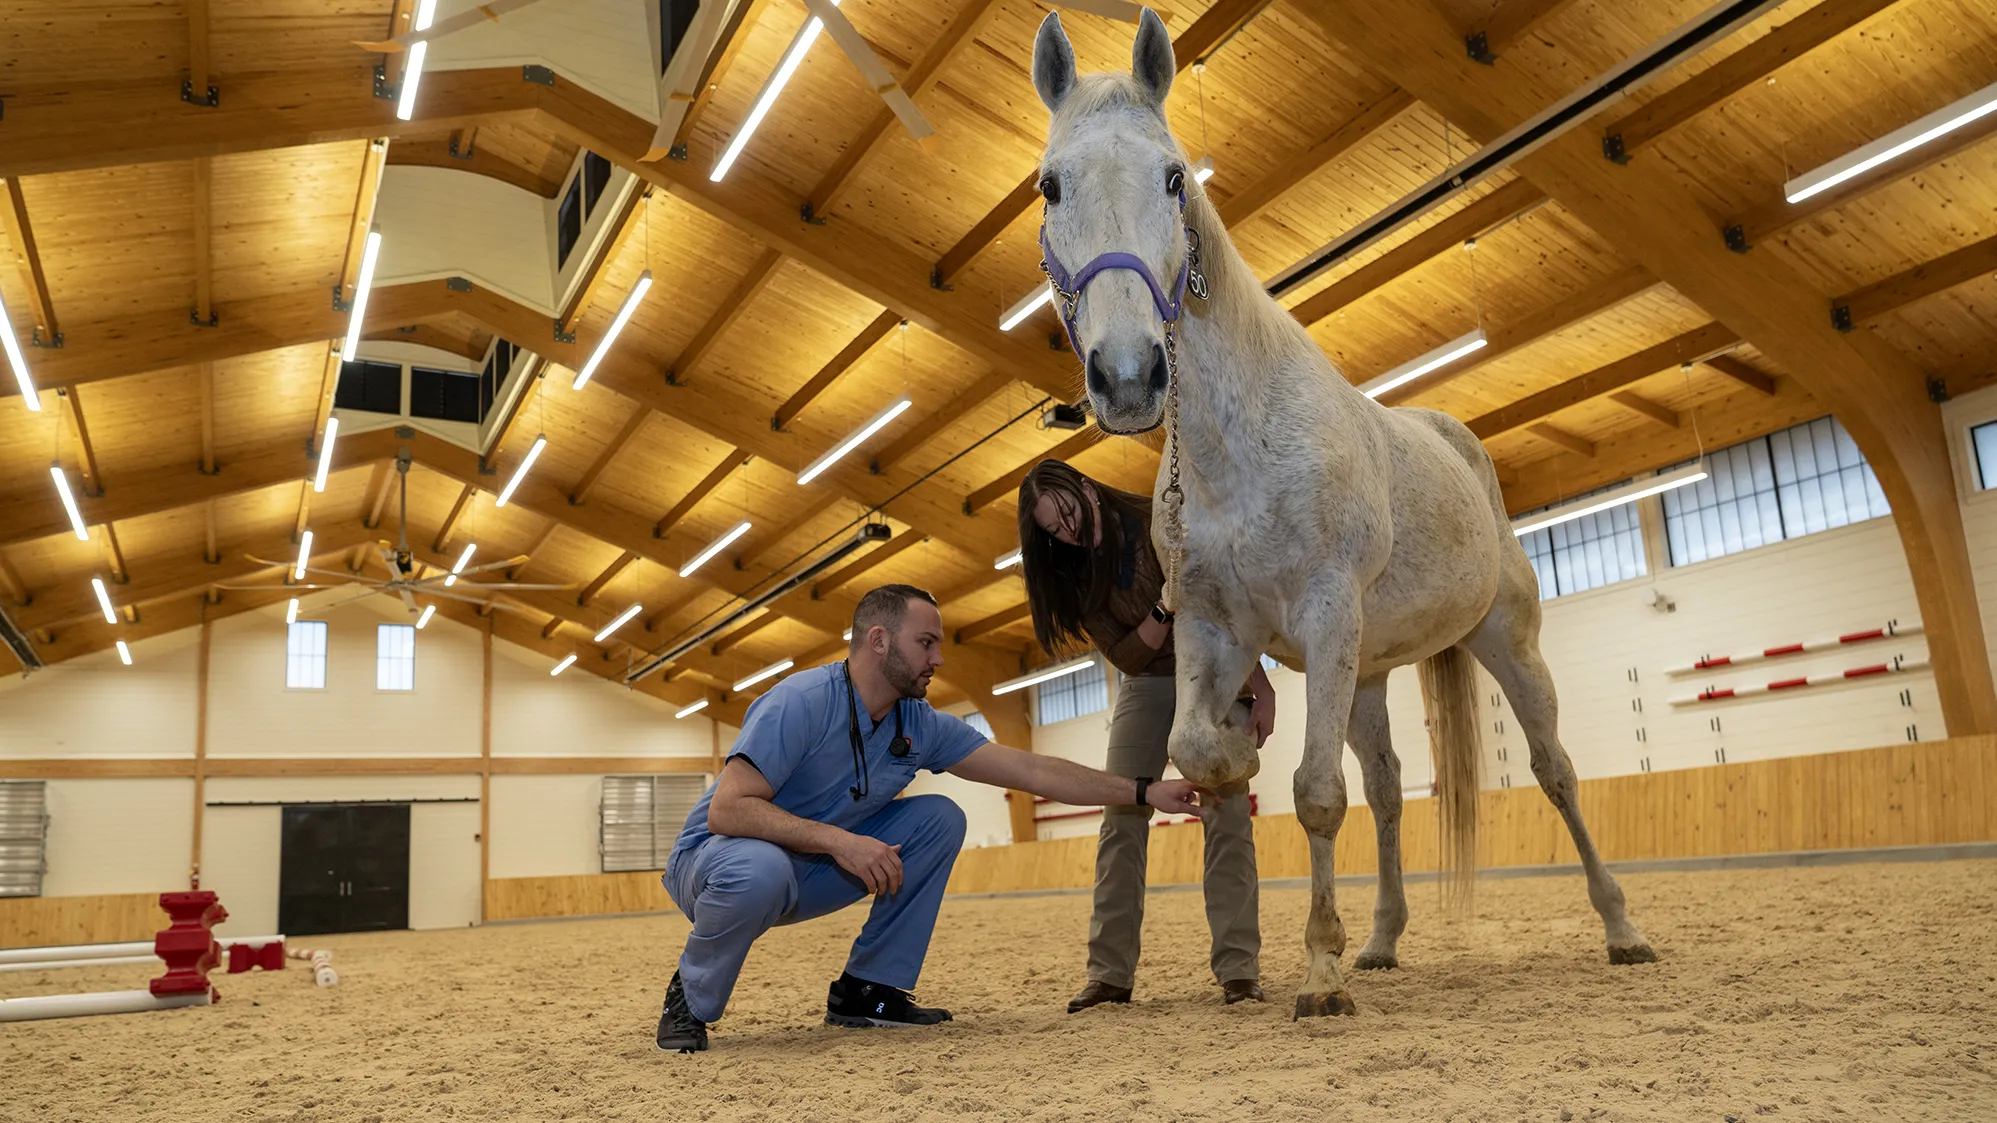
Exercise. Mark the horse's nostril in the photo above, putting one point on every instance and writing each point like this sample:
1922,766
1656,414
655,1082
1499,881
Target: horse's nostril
1099,382
1161,373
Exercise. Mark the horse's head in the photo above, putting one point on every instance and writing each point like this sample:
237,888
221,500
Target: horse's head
1114,238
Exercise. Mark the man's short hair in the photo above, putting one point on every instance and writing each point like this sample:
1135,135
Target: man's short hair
885,607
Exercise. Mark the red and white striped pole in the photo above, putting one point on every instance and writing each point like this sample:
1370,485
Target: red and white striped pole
1897,665
1888,630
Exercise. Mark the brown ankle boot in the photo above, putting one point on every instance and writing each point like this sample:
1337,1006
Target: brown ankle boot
1095,994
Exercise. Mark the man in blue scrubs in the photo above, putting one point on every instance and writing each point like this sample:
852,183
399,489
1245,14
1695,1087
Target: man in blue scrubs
803,821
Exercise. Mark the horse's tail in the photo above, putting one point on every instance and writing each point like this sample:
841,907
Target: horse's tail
1449,695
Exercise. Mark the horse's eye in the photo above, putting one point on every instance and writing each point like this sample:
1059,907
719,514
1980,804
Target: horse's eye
1051,188
1175,181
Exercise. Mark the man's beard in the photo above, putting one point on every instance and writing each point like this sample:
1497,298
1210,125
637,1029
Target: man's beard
904,678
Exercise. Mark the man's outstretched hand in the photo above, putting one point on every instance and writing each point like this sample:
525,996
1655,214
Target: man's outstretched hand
1175,797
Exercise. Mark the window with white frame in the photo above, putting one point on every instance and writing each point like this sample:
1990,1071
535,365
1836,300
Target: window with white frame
1983,446
305,655
1075,695
1588,552
1798,481
641,818
977,721
395,657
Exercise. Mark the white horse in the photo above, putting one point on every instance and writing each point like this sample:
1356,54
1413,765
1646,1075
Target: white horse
1343,537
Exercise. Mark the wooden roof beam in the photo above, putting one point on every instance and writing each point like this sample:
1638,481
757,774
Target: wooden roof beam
753,552
1000,619
1344,137
86,452
744,631
1685,347
1085,438
1917,283
203,312
853,571
609,574
382,482
633,425
871,336
1656,411
1727,77
368,187
1500,206
1218,22
459,507
21,238
206,377
533,551
1554,434
1743,373
198,88
1512,21
735,458
10,582
927,428
971,19
697,349
304,520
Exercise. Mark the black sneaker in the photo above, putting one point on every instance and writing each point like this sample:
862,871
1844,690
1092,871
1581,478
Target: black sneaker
858,1004
679,1030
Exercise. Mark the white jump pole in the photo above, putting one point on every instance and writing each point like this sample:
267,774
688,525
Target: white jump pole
75,953
52,964
83,1005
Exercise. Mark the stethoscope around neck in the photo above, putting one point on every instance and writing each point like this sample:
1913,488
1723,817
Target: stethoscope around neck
899,747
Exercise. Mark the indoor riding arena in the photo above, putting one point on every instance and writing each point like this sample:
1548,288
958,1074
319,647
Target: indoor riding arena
1531,488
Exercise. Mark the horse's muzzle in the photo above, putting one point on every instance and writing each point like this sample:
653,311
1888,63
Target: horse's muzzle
1129,390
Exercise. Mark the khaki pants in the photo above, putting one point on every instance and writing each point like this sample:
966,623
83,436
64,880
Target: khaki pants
1137,736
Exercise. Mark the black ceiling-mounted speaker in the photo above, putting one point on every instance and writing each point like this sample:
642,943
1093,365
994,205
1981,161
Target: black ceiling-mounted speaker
1066,416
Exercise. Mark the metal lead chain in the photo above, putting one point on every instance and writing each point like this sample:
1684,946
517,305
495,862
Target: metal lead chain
1175,495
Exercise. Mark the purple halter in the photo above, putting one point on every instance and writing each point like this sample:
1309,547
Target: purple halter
1068,288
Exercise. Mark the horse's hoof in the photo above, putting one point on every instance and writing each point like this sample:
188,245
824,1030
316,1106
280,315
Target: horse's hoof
1376,961
1635,953
1325,1005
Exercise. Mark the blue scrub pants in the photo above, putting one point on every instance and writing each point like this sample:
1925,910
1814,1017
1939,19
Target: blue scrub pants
736,889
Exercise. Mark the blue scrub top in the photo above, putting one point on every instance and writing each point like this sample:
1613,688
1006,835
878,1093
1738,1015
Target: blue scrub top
798,737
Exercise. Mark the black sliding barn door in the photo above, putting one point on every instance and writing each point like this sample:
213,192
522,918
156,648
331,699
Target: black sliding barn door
344,868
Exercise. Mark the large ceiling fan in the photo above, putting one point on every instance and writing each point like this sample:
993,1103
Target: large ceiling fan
405,577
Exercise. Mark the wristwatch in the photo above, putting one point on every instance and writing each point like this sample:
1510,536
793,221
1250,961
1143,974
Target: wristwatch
1143,783
1159,614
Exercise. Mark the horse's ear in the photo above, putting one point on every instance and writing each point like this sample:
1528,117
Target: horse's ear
1053,63
1151,60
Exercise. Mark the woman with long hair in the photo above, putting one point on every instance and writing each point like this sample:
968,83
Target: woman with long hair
1093,580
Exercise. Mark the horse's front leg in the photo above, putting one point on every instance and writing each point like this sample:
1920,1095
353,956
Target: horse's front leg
1328,626
1210,741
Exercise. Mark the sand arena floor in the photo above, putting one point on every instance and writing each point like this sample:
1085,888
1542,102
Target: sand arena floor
1851,993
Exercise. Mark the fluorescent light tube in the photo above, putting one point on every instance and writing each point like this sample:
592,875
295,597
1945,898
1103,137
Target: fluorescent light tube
794,57
291,611
429,610
617,325
1032,678
859,437
358,310
1414,368
623,618
304,556
1019,312
720,544
104,600
1893,145
69,502
770,671
848,637
19,362
520,473
326,453
1628,493
562,666
460,567
693,709
1007,560
124,653
412,71
1203,169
